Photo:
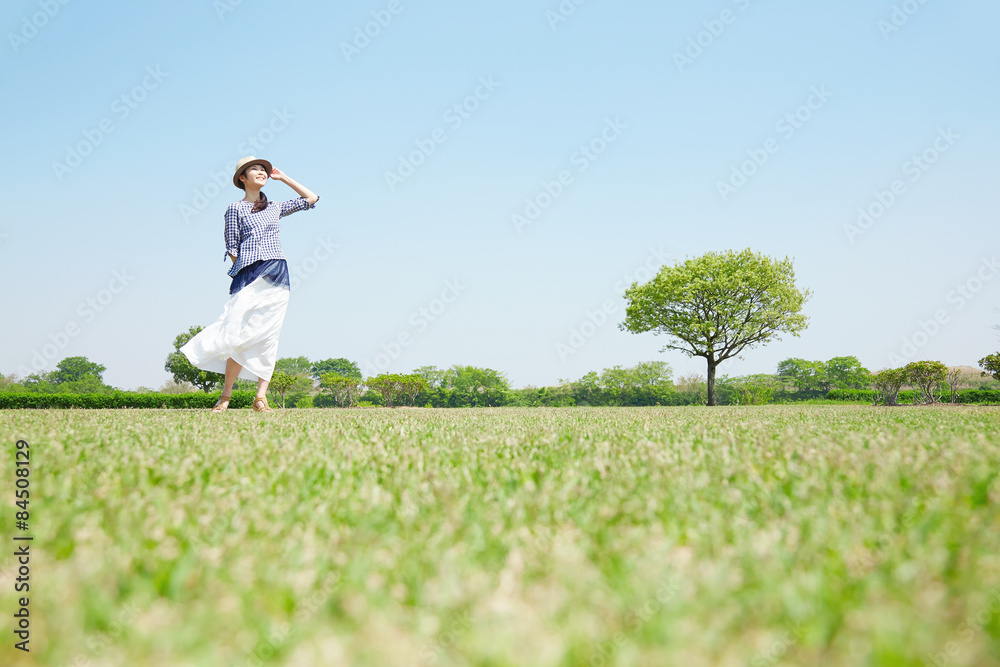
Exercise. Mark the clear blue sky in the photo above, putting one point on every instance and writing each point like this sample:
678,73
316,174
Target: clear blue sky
162,95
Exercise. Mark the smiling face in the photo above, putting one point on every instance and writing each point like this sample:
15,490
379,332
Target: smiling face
254,175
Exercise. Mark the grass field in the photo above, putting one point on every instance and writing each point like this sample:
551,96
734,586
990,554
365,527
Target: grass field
837,535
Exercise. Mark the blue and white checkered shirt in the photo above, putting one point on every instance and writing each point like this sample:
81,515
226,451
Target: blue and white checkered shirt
254,236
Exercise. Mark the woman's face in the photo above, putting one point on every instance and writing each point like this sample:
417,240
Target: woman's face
255,174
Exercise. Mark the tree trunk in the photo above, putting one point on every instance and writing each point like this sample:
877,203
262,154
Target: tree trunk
711,381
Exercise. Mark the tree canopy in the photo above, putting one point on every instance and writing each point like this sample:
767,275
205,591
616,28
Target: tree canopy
74,369
718,305
806,377
847,373
280,384
177,364
991,365
342,367
293,366
72,375
926,376
818,377
477,386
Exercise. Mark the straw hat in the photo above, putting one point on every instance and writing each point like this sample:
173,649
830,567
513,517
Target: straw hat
246,162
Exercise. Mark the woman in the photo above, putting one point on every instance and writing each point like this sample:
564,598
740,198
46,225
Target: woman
243,342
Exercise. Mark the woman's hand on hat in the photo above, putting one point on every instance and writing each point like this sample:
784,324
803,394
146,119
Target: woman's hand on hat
277,174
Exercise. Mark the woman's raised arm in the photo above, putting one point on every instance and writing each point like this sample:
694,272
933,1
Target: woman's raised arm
302,191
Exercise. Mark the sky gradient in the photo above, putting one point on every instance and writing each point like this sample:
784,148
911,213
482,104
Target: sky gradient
493,175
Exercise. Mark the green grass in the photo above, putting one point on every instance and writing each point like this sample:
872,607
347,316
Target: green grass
797,535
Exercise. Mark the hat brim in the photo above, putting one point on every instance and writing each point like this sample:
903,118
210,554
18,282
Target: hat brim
241,169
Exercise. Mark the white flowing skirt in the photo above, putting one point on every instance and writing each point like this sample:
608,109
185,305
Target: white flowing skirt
247,332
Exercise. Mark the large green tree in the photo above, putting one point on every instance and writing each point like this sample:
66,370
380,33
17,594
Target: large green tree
806,377
926,376
183,371
588,389
302,386
293,366
280,384
991,365
847,373
476,387
718,305
342,367
652,373
72,375
754,389
810,378
615,382
394,386
887,383
343,390
74,369
433,375
42,383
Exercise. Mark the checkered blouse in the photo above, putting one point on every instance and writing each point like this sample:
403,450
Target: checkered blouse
254,236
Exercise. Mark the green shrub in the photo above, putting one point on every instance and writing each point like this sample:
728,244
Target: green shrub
304,401
323,401
120,399
970,396
965,396
866,395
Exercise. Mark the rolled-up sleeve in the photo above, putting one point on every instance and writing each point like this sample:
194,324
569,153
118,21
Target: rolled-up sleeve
293,205
232,232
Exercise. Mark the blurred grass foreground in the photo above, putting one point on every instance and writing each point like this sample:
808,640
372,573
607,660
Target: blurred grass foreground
775,535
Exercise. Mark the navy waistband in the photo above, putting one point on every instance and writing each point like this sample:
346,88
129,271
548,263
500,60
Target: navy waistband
274,271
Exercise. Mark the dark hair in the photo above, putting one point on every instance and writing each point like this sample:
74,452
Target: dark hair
261,203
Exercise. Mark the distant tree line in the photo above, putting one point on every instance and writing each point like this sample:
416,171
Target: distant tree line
338,382
716,307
